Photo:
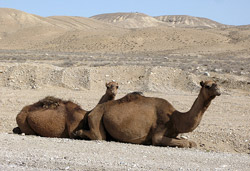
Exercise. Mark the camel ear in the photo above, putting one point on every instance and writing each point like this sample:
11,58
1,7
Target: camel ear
202,83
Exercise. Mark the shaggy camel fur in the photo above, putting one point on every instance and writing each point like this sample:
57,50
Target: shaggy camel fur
148,120
53,117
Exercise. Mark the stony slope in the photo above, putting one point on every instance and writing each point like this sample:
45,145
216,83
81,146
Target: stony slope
12,20
20,30
129,20
78,23
189,21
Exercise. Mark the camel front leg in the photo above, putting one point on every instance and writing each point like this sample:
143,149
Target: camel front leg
161,140
96,128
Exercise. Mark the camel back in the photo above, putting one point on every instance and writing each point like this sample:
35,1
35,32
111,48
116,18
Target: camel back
130,97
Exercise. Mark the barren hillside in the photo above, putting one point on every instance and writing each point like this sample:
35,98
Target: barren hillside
12,20
189,21
105,34
79,23
129,20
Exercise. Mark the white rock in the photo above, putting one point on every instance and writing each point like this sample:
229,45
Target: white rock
184,137
207,74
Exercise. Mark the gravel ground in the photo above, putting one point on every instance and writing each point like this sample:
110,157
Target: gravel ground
37,153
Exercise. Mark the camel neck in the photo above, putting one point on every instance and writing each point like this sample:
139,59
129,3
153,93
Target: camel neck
106,97
188,121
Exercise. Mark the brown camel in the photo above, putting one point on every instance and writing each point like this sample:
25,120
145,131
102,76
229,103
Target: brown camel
111,92
148,120
53,117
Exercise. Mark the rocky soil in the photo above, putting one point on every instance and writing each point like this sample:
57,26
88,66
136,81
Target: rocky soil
37,153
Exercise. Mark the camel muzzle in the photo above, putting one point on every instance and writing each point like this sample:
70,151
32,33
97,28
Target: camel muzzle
218,92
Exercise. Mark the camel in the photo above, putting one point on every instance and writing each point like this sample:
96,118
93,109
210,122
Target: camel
111,92
53,117
148,120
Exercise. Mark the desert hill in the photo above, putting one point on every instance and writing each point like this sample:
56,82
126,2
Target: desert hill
189,21
112,34
78,23
129,20
12,20
21,30
140,20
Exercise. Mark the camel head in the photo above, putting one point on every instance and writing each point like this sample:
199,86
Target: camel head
210,89
112,88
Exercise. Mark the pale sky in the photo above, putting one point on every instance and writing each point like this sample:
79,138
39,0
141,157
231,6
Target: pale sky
232,12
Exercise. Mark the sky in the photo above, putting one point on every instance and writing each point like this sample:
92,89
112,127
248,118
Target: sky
231,12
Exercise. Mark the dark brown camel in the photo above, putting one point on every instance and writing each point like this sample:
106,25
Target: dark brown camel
147,120
53,117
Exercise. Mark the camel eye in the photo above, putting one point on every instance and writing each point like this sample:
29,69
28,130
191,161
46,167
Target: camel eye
117,87
207,86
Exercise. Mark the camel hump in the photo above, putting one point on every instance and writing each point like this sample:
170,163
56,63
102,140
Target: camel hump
137,93
48,102
131,96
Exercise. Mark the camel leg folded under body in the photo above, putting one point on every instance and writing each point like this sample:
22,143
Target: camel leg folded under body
161,140
97,131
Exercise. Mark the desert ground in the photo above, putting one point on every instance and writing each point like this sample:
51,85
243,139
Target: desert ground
73,57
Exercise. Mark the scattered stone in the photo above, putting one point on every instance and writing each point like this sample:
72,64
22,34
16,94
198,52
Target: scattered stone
207,74
217,70
202,145
184,137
